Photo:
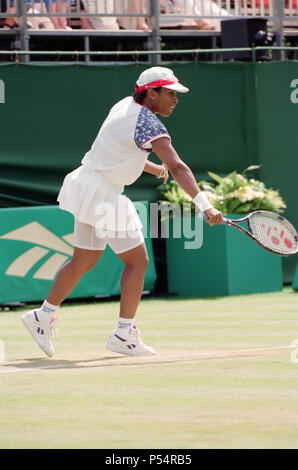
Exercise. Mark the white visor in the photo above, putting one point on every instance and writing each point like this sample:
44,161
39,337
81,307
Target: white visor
177,87
158,74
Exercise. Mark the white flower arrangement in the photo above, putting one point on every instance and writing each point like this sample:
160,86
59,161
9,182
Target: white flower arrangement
234,193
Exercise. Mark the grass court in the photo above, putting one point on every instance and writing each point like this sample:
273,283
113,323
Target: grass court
226,376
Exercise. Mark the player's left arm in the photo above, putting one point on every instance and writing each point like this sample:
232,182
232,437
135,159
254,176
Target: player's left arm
160,171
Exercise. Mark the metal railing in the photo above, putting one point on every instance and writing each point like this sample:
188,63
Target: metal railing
149,9
146,16
196,53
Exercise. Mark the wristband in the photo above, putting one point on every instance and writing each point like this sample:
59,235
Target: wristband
202,202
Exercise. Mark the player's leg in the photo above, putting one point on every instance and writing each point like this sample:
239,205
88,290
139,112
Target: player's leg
132,280
126,338
82,261
87,252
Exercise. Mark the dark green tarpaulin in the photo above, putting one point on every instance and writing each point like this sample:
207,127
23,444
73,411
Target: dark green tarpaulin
236,114
52,114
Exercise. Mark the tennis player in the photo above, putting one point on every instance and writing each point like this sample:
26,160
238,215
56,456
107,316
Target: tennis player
93,193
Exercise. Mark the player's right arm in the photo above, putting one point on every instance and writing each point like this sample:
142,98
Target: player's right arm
182,174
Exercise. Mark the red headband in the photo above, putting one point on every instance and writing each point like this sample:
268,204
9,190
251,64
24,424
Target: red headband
156,84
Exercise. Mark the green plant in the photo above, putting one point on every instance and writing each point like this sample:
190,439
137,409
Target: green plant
234,193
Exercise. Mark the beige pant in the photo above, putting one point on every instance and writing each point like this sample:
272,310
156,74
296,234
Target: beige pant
100,22
129,7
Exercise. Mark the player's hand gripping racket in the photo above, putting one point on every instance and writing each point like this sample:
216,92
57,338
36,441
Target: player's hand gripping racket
271,231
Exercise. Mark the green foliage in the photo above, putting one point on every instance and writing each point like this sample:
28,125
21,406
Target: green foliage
234,193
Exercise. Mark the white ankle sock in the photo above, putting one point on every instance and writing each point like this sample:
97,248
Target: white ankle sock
47,309
125,325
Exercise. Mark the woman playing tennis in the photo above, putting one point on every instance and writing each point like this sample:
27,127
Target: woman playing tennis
93,193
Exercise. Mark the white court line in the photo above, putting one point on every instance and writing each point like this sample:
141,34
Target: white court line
160,358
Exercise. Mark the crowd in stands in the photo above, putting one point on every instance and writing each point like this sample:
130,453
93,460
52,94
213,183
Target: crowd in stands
186,7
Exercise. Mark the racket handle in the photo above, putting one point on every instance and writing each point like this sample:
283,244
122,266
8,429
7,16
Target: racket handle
205,217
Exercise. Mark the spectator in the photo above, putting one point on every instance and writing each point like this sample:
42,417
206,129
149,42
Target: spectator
3,9
193,7
62,6
133,6
101,6
12,22
84,20
59,6
38,22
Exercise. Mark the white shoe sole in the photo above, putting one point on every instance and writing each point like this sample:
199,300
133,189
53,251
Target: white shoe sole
30,328
113,345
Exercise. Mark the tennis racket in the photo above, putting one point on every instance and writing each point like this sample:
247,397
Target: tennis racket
271,231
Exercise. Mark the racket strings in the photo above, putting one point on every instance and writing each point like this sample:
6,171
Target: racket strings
274,233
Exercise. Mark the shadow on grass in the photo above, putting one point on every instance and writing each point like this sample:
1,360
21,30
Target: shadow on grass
165,357
44,363
107,361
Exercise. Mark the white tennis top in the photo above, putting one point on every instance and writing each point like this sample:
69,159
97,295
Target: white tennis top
123,143
116,159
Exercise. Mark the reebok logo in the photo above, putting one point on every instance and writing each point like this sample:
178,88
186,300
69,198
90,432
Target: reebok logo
55,251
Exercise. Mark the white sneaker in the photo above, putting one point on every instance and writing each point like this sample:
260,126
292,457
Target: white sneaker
131,345
41,330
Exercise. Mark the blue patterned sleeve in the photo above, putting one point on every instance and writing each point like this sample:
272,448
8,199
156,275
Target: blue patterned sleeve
148,128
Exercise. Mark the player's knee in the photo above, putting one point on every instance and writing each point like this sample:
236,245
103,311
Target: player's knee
83,265
143,264
140,265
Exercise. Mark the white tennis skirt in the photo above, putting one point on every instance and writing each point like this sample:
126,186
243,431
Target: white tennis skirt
94,200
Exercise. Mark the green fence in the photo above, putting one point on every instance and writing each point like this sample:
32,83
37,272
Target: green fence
236,114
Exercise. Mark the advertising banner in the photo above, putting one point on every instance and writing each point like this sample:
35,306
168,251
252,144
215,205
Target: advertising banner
35,242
